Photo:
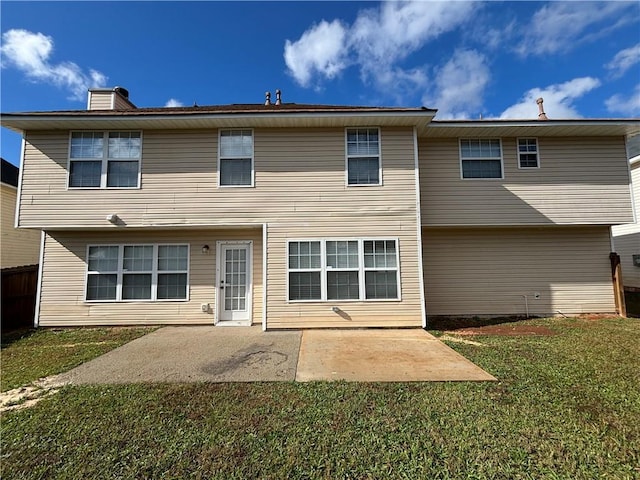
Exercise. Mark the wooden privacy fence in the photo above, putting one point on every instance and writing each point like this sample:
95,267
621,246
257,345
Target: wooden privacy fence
19,286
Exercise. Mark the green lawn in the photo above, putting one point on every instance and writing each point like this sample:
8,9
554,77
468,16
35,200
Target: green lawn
31,354
566,407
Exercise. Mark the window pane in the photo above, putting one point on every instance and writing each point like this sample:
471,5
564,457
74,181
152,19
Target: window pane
87,145
304,255
103,259
380,254
236,143
101,287
124,145
342,286
527,145
481,169
363,141
235,172
304,286
528,160
122,174
136,286
85,174
381,284
173,257
342,254
480,148
363,171
172,286
138,258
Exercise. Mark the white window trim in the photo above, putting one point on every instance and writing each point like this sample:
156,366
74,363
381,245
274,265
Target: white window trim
253,147
347,156
537,152
154,273
361,269
462,177
105,160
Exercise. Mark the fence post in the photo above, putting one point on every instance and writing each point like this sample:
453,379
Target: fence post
618,289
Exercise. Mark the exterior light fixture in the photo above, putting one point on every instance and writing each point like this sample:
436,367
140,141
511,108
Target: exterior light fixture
205,249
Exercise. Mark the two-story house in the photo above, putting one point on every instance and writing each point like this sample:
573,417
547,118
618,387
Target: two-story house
301,216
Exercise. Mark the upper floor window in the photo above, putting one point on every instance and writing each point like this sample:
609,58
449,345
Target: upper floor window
528,153
105,159
481,158
236,158
363,156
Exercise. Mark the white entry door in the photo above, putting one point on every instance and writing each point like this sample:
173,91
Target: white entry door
234,283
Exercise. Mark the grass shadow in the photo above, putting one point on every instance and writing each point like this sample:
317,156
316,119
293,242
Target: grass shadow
10,336
448,323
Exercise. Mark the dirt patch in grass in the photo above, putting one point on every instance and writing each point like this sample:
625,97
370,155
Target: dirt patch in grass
595,316
505,330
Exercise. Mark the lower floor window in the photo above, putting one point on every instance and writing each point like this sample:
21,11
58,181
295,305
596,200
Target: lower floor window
137,272
325,270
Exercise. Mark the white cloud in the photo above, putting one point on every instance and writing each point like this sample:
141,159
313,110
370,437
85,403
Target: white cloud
459,86
558,100
30,52
321,50
624,60
172,102
376,42
560,26
625,105
381,37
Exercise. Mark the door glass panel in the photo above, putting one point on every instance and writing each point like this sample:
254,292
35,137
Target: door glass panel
235,291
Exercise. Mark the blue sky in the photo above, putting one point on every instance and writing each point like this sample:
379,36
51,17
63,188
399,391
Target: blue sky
468,59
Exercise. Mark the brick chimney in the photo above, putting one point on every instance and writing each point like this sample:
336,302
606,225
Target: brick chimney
116,98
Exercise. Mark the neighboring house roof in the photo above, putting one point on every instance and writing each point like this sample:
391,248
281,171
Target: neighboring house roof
9,173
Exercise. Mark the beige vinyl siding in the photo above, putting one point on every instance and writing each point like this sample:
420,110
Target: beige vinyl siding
19,246
64,272
299,172
580,181
386,313
626,238
482,271
100,100
316,204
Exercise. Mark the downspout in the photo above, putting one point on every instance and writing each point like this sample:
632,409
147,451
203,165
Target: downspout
36,316
264,277
423,307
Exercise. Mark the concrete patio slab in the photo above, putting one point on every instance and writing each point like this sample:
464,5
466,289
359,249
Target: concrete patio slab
196,354
240,354
407,355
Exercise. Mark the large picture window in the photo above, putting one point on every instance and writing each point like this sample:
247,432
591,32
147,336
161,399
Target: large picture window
236,158
363,156
332,270
481,158
137,272
104,159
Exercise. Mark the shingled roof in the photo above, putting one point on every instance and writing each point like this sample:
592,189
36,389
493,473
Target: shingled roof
233,108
